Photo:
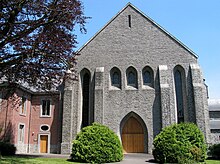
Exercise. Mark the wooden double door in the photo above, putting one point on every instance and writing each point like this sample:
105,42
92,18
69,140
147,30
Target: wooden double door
133,136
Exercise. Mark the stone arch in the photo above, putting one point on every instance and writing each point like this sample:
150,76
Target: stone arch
132,77
86,84
115,77
148,76
134,134
180,93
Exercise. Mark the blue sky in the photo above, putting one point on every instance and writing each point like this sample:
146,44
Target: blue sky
196,23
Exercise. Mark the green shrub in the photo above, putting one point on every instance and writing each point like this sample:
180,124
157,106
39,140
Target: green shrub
214,151
180,143
97,144
7,148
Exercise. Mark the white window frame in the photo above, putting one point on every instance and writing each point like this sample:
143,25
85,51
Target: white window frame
44,130
19,133
41,108
25,106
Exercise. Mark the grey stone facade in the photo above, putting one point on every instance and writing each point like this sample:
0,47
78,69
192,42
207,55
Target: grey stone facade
136,45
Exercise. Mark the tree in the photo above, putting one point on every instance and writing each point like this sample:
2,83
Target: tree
37,40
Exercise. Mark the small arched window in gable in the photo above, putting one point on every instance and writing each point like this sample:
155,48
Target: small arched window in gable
115,77
131,77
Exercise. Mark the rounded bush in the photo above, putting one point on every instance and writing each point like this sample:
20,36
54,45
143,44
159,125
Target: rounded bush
97,144
214,151
180,143
7,149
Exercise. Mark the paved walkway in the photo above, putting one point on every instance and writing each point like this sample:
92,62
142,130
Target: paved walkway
137,158
131,158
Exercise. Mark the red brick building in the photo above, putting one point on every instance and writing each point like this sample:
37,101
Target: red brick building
31,120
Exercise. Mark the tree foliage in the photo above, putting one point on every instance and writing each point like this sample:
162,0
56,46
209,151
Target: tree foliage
97,144
37,39
180,143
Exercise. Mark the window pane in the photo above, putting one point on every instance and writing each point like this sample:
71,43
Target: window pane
23,105
179,96
46,107
115,79
21,133
147,77
86,96
131,78
44,127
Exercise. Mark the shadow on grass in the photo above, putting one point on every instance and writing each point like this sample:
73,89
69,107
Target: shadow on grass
151,161
70,160
212,158
14,160
36,159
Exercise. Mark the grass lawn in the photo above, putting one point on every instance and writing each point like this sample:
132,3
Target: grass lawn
212,161
33,160
38,160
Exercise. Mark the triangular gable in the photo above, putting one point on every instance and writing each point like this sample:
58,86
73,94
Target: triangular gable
150,20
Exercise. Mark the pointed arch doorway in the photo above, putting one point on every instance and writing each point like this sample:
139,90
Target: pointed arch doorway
133,136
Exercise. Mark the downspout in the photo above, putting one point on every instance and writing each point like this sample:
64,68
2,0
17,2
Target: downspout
6,117
7,97
29,126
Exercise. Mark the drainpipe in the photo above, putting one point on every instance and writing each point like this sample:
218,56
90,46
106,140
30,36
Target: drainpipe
29,126
6,117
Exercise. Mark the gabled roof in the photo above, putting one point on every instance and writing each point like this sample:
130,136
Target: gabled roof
31,90
149,19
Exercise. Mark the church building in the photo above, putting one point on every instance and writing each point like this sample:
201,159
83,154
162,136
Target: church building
136,78
133,76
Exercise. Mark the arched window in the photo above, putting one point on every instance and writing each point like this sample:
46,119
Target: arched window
131,77
147,74
179,95
115,77
85,97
